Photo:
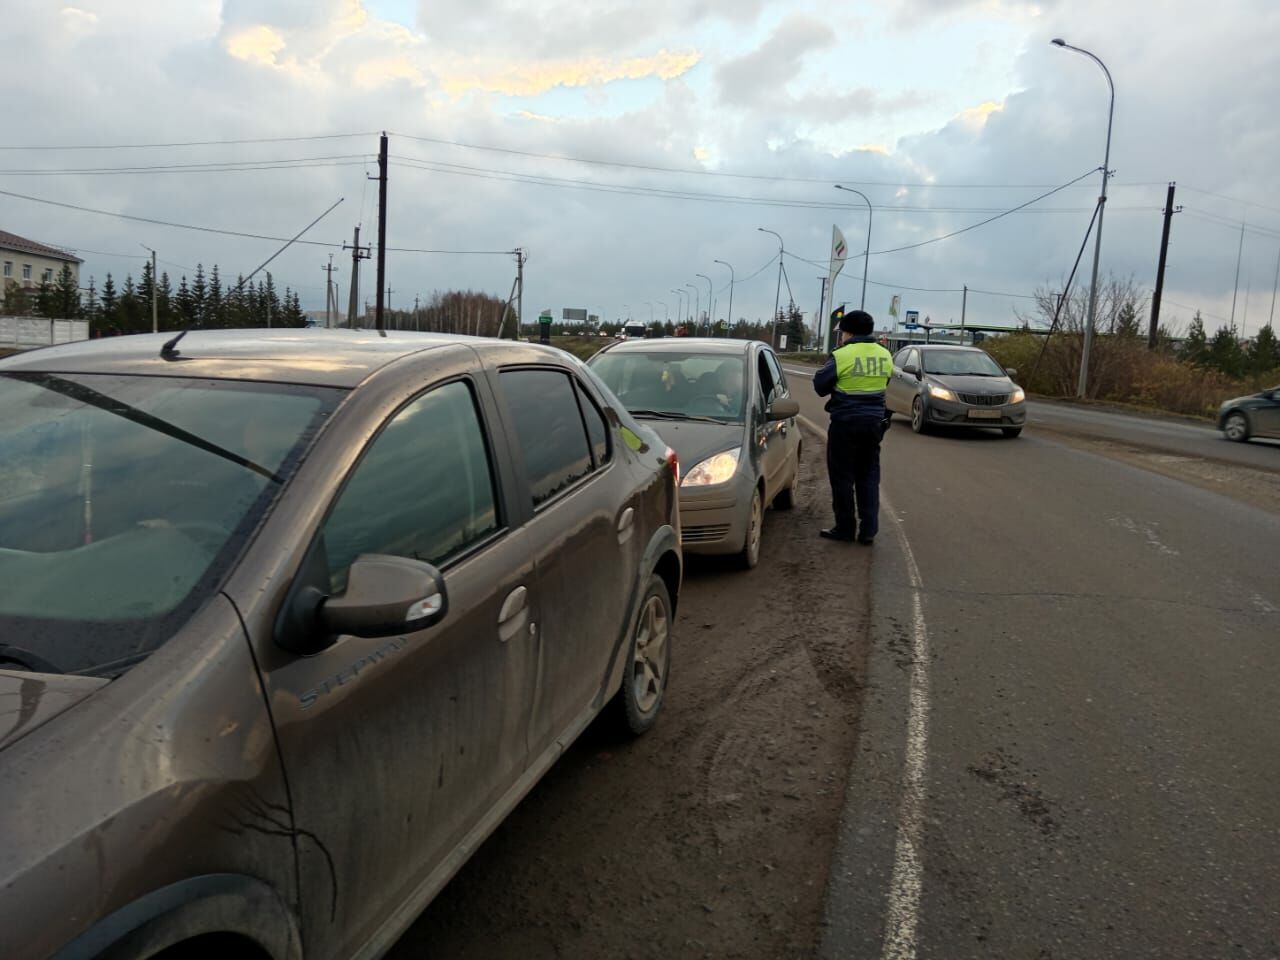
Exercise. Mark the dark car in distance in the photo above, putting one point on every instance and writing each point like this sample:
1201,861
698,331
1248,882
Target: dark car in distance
937,385
1257,415
289,622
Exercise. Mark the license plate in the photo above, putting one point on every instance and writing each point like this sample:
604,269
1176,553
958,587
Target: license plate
984,414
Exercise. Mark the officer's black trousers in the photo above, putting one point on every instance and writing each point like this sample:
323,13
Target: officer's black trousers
853,466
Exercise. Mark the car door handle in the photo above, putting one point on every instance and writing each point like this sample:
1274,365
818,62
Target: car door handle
514,614
626,525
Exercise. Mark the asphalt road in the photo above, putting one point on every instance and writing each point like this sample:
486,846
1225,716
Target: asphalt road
1099,760
1038,719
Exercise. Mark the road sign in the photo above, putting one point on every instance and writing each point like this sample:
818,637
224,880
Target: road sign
573,314
912,318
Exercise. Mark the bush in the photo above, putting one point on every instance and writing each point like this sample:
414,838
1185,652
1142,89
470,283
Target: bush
1121,370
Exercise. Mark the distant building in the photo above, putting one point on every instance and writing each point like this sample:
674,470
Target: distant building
29,264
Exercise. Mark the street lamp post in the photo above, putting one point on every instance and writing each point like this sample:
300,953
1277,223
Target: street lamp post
725,263
777,294
666,313
697,300
866,257
711,330
650,305
1083,384
626,309
680,308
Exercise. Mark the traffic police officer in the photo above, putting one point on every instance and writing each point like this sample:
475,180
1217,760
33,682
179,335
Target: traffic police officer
855,379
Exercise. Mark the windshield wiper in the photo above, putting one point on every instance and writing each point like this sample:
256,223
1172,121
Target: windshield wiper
673,415
92,398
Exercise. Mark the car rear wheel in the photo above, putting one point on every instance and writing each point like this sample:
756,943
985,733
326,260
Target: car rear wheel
786,499
750,554
917,415
644,682
1011,432
1237,427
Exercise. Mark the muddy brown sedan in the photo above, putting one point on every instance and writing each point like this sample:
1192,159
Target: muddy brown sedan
290,621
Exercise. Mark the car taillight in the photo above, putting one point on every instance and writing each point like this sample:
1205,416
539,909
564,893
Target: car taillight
674,463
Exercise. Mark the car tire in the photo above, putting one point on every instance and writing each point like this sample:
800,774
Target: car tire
918,422
1011,432
750,555
1236,427
646,669
786,499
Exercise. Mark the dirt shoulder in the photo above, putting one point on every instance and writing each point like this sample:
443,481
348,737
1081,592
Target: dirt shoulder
712,835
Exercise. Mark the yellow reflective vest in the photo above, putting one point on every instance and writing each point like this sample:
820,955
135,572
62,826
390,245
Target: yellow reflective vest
862,368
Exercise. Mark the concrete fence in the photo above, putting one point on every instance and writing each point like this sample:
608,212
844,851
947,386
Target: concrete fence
37,332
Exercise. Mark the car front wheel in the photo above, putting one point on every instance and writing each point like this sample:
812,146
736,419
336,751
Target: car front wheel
750,554
917,415
1237,427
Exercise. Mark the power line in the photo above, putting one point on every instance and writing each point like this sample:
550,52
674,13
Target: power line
1223,196
226,166
185,143
1233,224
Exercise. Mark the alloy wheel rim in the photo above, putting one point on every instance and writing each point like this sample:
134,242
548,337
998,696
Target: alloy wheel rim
1235,426
649,660
754,534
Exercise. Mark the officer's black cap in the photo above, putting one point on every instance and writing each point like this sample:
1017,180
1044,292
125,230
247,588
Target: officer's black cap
858,323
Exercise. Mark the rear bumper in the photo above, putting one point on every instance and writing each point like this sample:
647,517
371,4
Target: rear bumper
950,413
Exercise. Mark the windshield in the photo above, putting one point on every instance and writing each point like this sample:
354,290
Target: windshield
961,363
688,385
123,500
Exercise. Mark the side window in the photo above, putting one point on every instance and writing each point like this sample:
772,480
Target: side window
548,428
913,357
766,379
597,429
424,488
779,377
900,358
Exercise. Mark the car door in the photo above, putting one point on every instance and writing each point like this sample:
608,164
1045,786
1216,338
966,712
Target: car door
580,537
1268,414
904,382
396,747
895,397
770,442
786,429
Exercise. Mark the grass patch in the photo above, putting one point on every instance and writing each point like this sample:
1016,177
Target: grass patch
581,347
814,358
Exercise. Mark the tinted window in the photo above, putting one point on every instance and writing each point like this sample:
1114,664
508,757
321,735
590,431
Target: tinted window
900,358
597,429
549,430
960,363
424,488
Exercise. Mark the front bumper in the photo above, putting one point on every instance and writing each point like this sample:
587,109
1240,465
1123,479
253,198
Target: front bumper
713,520
955,413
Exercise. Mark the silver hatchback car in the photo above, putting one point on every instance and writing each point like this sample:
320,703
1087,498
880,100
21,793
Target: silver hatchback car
955,387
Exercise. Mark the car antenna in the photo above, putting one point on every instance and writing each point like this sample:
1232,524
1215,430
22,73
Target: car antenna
170,349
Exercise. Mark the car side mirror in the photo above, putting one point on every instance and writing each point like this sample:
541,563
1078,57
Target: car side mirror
1011,371
784,408
385,595
911,370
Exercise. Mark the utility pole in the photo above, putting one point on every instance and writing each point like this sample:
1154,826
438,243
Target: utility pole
382,229
358,253
330,302
821,314
520,262
417,323
1169,211
1274,287
964,309
155,280
1235,290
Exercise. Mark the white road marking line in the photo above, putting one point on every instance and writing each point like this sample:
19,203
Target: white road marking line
902,913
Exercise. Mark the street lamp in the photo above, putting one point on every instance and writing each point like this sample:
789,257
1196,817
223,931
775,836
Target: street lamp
650,305
666,313
725,263
866,257
697,300
711,330
782,250
626,308
680,315
1102,206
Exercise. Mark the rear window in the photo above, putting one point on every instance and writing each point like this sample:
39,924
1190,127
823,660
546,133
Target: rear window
124,501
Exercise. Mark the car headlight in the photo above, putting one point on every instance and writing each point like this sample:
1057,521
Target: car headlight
940,393
716,469
1018,395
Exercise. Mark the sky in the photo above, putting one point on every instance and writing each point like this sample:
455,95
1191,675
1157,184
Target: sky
628,147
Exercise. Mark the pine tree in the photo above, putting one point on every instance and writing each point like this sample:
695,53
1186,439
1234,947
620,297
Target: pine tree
213,313
131,309
92,307
1127,322
16,301
1196,346
1224,353
47,301
164,303
144,292
199,296
68,294
110,315
1264,352
183,306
